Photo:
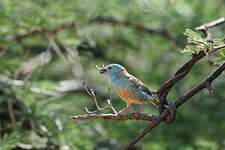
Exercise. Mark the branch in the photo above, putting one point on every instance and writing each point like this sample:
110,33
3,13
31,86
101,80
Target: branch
162,32
119,117
100,19
181,73
11,113
216,48
42,31
184,69
211,24
204,28
204,84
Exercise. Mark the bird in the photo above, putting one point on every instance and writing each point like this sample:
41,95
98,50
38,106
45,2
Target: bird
130,89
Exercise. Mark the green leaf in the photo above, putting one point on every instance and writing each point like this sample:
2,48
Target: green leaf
192,35
217,42
222,54
9,141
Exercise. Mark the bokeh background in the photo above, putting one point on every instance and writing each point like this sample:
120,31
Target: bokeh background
49,47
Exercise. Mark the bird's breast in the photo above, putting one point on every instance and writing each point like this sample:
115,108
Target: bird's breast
128,96
129,93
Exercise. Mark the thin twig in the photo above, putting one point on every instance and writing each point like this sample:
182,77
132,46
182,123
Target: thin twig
109,90
111,106
55,47
216,48
204,28
11,113
43,31
92,94
211,24
100,19
162,32
204,84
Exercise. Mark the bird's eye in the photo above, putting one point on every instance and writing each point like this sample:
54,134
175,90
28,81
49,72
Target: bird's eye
110,68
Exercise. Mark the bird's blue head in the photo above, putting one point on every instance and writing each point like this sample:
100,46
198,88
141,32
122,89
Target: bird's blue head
112,71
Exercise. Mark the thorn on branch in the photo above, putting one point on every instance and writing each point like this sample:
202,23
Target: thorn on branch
209,88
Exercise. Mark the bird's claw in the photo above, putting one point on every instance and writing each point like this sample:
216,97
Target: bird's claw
137,112
172,115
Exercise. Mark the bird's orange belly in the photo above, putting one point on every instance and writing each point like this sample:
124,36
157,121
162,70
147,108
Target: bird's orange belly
128,97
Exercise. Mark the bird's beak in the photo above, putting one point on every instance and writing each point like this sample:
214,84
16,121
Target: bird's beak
103,70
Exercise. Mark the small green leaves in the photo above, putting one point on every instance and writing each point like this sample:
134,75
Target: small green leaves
217,42
222,54
197,44
193,36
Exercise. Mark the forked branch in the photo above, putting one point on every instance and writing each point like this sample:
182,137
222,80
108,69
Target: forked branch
180,74
161,31
178,103
92,94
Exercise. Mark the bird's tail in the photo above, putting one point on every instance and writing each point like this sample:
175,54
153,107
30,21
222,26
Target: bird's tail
155,102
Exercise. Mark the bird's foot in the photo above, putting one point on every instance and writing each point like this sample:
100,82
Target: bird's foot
172,116
137,112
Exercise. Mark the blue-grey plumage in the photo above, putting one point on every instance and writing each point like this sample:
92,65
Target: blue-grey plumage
126,83
129,88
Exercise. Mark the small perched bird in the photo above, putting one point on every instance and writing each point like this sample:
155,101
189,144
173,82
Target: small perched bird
127,87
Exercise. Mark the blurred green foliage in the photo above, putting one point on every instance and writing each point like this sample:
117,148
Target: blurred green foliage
44,94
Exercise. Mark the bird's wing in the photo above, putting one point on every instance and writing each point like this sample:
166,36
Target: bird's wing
137,83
